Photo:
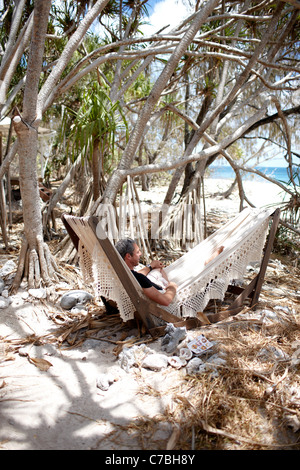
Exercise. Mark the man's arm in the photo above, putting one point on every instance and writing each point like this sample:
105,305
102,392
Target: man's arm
161,298
155,264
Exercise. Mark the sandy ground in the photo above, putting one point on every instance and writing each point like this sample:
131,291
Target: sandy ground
260,194
62,407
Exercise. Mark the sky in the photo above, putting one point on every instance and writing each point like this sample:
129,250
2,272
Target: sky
164,12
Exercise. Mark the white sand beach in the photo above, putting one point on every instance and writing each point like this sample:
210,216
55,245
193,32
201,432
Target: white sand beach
260,194
49,390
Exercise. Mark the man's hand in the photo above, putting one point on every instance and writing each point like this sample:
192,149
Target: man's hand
156,264
172,285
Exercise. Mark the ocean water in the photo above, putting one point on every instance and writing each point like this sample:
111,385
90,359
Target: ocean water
226,172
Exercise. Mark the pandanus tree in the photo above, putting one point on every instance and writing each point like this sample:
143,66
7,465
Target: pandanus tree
31,39
35,258
127,159
94,130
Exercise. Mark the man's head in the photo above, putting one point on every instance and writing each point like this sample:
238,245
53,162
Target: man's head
129,251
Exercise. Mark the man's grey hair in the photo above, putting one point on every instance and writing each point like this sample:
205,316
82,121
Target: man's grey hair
124,246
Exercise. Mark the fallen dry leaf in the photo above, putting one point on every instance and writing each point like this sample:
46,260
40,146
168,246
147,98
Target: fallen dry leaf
42,364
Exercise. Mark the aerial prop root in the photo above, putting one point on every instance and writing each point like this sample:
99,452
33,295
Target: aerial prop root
36,264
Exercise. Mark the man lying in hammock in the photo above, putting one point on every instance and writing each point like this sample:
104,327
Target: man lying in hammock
152,278
162,291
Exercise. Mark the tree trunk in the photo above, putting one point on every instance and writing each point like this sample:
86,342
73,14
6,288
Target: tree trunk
96,168
143,178
35,261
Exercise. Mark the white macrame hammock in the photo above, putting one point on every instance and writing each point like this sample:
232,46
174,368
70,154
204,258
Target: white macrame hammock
243,239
